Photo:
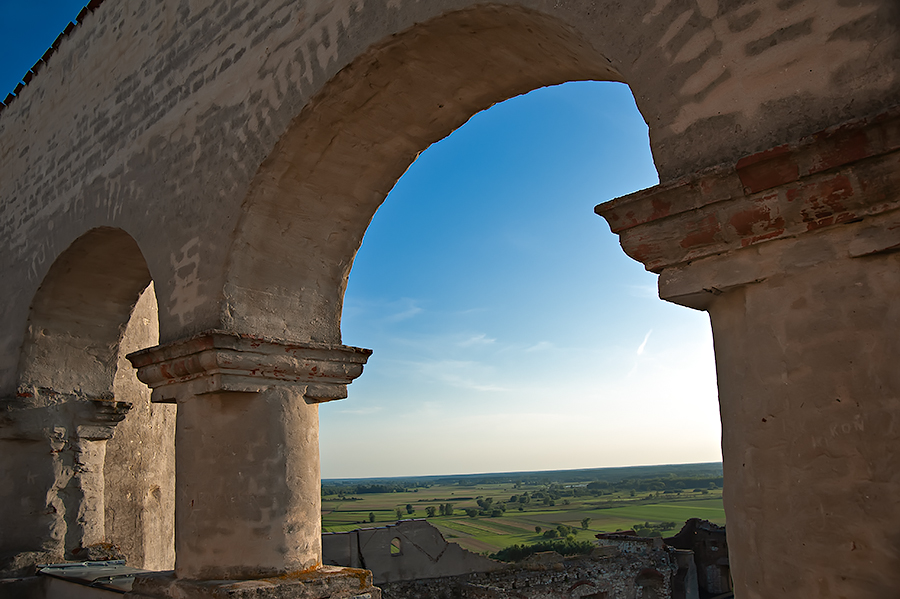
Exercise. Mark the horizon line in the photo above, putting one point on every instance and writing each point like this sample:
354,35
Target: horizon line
514,472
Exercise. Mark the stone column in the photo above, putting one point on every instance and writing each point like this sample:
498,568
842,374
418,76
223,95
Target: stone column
53,448
94,424
247,485
793,252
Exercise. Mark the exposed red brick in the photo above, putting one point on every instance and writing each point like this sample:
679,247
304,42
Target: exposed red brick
757,238
824,201
756,220
642,252
839,148
768,169
661,208
702,232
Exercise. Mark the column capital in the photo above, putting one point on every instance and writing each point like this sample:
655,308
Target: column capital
96,419
38,413
216,361
841,176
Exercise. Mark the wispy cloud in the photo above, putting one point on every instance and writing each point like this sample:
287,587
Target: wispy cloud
643,344
407,309
643,291
540,346
462,374
481,339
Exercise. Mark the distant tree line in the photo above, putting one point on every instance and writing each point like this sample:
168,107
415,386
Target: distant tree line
658,484
566,483
347,489
614,476
653,529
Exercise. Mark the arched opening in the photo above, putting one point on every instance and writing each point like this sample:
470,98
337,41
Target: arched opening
79,313
112,453
310,202
313,198
503,314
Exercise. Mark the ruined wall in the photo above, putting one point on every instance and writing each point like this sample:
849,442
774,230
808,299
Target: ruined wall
423,564
140,458
709,548
419,551
609,574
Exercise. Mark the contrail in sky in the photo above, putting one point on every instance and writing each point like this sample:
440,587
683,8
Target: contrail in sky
640,349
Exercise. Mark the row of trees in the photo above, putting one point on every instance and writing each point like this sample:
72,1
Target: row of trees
567,546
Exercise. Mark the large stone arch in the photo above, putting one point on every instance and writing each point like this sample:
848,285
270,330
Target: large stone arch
714,83
346,149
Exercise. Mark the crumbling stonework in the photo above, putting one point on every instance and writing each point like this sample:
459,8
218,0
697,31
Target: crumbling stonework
234,154
644,569
423,564
709,552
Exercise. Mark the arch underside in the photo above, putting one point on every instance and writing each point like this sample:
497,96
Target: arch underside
79,315
312,199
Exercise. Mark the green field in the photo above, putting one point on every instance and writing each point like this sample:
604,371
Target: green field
615,509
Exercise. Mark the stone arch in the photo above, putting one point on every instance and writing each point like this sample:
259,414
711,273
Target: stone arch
344,152
79,314
95,303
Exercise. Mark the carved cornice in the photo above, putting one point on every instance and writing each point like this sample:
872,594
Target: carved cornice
96,419
39,412
837,176
217,361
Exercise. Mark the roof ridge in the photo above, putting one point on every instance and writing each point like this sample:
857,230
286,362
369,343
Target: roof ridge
33,71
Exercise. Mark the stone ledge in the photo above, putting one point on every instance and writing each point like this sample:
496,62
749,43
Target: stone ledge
325,582
216,361
840,175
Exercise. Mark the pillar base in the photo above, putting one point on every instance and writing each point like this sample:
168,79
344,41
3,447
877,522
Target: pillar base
326,582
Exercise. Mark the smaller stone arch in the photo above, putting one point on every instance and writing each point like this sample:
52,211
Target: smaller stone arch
79,314
71,395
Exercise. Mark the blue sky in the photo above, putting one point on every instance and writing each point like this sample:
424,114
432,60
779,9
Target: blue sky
510,330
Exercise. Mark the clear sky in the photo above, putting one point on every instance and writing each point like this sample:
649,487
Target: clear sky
510,330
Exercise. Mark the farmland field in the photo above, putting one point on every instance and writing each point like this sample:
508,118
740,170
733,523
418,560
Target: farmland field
498,516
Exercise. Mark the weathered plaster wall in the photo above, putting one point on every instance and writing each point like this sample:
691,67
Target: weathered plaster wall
793,252
821,461
140,458
175,107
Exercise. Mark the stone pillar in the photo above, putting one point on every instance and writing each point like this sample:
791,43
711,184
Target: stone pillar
53,449
85,511
247,485
793,252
